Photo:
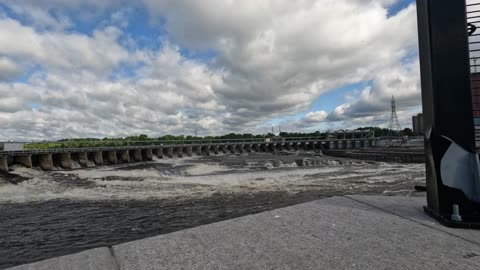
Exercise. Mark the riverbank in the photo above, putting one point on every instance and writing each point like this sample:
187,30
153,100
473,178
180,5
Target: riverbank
342,232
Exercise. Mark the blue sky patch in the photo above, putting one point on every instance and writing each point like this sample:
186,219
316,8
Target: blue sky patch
399,6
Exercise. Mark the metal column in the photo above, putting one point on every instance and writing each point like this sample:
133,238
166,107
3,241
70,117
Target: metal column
451,158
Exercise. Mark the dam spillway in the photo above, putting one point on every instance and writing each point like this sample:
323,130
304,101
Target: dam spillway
67,158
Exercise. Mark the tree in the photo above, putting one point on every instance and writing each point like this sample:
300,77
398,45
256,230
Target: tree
407,132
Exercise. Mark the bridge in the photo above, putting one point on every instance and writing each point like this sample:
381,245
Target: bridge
66,158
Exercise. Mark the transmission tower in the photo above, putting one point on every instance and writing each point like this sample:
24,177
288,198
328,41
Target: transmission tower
394,123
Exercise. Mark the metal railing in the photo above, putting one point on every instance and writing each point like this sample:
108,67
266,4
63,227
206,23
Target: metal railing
177,143
473,23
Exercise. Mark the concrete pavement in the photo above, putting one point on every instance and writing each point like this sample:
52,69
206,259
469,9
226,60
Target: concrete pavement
350,232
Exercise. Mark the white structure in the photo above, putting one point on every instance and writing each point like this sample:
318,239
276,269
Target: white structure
11,146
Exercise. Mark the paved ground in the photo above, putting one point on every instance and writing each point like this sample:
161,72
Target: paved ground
352,232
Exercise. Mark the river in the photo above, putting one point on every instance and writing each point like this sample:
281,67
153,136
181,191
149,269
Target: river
47,214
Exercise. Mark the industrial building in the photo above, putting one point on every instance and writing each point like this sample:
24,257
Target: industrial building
417,123
11,146
475,79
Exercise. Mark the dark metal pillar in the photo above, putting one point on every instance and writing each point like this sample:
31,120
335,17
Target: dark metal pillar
447,105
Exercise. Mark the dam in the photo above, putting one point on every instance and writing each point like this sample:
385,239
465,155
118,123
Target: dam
67,158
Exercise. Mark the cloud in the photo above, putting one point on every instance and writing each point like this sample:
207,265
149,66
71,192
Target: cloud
8,69
271,59
171,95
281,55
39,17
315,117
99,53
401,81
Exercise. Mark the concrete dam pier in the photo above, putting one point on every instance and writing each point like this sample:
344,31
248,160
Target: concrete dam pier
70,158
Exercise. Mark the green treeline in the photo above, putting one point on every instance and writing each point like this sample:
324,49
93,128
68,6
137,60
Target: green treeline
143,139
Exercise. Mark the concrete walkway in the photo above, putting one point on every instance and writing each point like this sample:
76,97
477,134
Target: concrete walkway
351,232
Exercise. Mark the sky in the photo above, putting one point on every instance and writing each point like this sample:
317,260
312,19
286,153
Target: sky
115,68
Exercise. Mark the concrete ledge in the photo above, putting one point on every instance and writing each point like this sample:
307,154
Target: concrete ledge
412,208
110,157
24,161
62,160
351,232
159,152
3,164
94,259
136,154
83,159
123,156
45,162
147,154
97,158
334,233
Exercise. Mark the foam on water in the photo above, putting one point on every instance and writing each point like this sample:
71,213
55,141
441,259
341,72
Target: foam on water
196,180
110,172
76,164
202,169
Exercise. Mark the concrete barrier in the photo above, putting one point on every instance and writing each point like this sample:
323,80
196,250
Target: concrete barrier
110,157
24,160
332,145
349,144
299,162
81,158
189,151
300,147
147,154
121,155
124,156
386,156
316,147
136,155
97,158
263,147
197,150
239,148
341,145
168,152
205,150
177,152
45,161
158,152
63,160
3,164
279,146
270,147
308,146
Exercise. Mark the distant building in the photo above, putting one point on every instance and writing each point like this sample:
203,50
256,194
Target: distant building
417,123
475,78
11,146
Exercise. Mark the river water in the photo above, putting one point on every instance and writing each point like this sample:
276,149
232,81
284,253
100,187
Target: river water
48,214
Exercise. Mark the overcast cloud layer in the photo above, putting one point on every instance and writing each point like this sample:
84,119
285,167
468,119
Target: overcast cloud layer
79,68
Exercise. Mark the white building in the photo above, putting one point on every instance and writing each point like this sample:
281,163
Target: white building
11,146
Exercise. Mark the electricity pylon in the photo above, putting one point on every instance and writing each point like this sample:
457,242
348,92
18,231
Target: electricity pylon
394,123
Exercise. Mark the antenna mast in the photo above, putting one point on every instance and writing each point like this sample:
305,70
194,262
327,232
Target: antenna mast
394,123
